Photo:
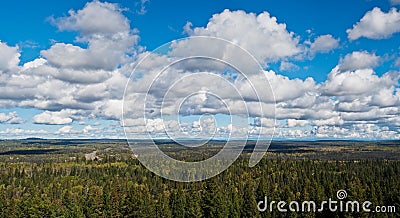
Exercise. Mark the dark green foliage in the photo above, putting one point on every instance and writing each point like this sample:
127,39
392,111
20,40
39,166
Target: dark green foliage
249,208
123,188
214,200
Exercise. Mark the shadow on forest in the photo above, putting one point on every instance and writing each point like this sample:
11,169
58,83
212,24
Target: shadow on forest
31,152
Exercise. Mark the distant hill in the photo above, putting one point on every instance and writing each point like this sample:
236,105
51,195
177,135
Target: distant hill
33,138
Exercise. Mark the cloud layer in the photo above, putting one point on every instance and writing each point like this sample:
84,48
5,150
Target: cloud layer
71,83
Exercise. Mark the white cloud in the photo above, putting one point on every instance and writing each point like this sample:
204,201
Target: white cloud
106,31
88,129
386,97
143,9
286,89
102,53
112,109
361,97
261,34
64,130
359,60
333,121
82,76
91,93
68,77
288,66
296,123
10,118
266,122
53,118
34,64
97,123
95,18
356,105
371,115
376,25
9,57
22,133
358,82
324,44
188,28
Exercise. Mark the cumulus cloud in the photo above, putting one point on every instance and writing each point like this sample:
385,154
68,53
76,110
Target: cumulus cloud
111,109
65,129
354,102
324,44
101,53
95,18
333,121
288,66
82,76
67,77
22,133
260,34
358,82
106,31
386,97
10,118
376,24
88,129
296,123
53,118
361,100
9,57
286,89
359,60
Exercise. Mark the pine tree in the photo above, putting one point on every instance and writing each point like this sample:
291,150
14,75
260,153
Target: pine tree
235,202
178,203
214,204
193,203
163,209
249,208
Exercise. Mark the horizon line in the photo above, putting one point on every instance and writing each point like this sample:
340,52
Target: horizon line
217,139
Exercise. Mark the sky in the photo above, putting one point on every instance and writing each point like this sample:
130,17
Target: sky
327,70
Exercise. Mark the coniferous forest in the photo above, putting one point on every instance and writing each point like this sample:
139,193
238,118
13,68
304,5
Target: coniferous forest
52,180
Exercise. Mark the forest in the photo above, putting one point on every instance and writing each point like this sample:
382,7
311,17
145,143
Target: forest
41,178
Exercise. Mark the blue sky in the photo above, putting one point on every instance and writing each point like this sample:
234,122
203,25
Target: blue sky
50,45
163,22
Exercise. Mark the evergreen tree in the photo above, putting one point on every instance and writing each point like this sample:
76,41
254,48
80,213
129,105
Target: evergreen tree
162,205
178,203
249,208
214,204
193,200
